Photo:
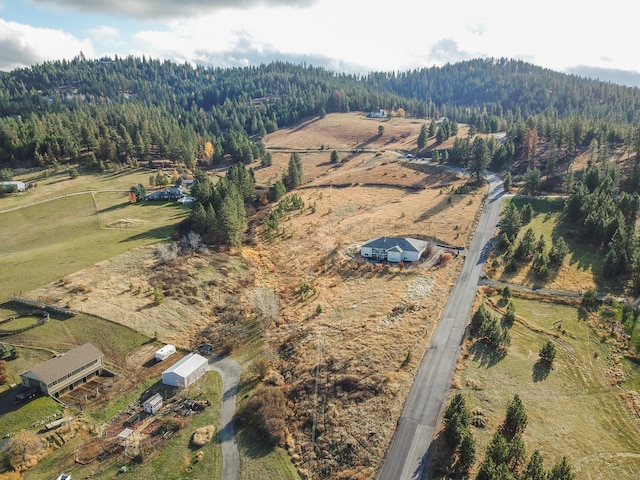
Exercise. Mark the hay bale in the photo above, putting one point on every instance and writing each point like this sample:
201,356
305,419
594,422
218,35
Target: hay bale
203,435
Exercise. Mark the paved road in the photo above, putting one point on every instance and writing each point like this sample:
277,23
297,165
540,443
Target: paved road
408,453
230,371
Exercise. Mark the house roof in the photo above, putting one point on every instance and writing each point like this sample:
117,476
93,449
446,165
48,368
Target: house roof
68,362
186,365
388,243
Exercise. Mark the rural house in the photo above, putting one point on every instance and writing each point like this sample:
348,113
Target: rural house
185,371
394,249
380,113
66,371
171,194
14,186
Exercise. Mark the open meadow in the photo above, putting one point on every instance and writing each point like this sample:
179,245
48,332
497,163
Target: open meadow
576,409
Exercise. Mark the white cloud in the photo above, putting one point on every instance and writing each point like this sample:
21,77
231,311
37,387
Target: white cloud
24,45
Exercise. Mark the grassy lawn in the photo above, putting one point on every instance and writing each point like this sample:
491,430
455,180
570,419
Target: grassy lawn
574,410
582,268
260,461
52,239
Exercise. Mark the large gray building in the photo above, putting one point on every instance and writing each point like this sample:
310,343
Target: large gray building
66,371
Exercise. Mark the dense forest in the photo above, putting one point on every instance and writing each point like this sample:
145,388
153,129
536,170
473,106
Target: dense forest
126,110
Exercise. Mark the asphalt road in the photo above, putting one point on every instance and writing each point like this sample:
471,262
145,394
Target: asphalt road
408,452
230,371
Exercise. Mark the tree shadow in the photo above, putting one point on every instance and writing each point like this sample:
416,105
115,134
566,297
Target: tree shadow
485,355
252,444
540,371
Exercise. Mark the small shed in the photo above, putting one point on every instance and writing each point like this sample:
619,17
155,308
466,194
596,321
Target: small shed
153,404
165,352
185,371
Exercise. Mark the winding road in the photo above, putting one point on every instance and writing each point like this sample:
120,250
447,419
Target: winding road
229,371
408,453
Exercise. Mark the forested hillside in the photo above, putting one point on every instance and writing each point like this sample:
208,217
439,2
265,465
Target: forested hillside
126,110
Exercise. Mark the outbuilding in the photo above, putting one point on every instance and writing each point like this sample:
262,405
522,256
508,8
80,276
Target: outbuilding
65,371
165,352
153,403
185,371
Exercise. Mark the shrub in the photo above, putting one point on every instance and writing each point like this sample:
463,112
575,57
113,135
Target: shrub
445,258
266,411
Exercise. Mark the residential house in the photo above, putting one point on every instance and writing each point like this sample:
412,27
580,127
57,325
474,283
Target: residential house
171,194
394,249
380,113
14,186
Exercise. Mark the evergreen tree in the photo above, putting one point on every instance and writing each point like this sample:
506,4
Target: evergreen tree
535,468
294,175
526,213
479,161
467,451
335,158
516,418
561,471
506,182
547,352
531,181
510,221
422,137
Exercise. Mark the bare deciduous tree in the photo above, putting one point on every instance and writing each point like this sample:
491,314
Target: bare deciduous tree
265,303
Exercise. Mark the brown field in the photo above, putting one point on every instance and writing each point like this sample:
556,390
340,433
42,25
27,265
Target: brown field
348,347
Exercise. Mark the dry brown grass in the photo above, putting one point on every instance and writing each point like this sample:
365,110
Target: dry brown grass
372,327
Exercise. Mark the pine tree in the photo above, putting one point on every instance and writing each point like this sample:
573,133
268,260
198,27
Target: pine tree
422,137
535,468
516,418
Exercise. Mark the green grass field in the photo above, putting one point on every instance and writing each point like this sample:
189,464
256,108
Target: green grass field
60,236
582,268
574,410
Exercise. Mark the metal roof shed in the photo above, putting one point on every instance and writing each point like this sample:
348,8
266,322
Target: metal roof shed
185,371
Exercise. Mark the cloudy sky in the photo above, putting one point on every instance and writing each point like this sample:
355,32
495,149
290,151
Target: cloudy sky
354,36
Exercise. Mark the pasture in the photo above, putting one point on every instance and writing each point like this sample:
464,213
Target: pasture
577,409
75,228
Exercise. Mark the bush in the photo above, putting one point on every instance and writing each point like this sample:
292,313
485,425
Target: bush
445,258
267,412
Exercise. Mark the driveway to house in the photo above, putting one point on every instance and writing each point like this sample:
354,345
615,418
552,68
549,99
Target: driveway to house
230,371
408,452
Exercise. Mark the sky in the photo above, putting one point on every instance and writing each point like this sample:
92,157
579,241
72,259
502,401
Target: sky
352,36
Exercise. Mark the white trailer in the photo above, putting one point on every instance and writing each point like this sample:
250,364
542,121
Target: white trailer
165,352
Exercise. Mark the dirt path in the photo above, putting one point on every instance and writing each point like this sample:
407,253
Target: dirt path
230,371
57,197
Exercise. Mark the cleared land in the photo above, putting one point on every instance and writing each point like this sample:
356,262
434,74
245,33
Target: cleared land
372,326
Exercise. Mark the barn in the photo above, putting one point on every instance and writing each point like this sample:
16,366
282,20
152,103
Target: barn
66,371
185,371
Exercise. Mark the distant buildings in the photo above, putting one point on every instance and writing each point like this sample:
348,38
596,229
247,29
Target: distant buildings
14,186
380,113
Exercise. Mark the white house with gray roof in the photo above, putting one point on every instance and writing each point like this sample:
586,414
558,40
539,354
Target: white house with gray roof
65,371
394,249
